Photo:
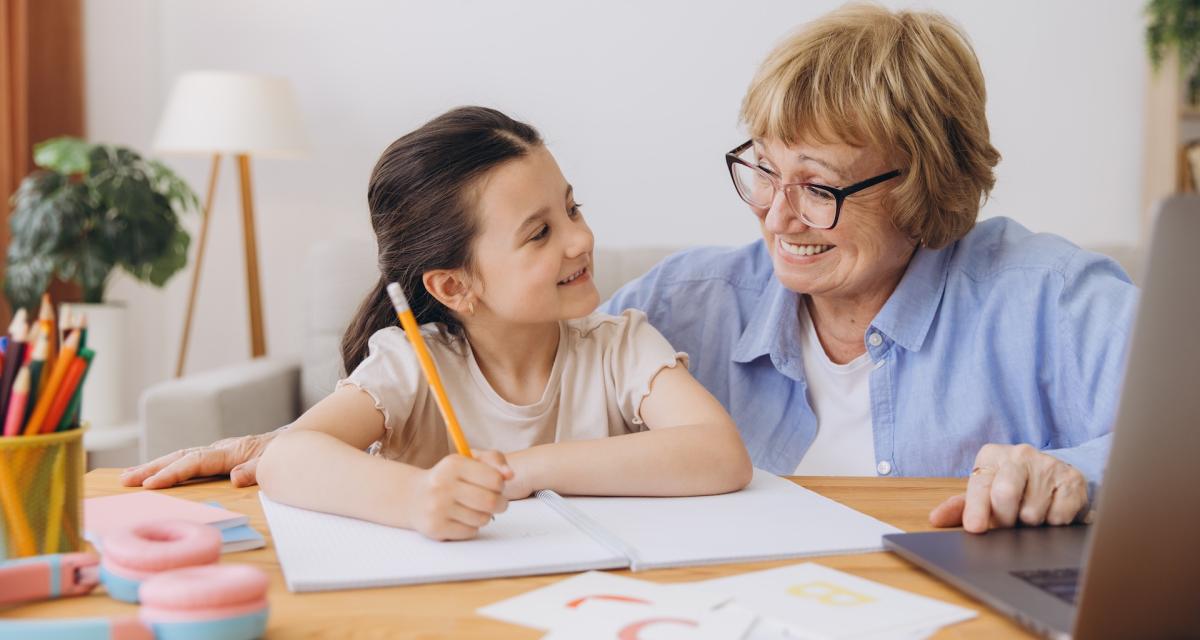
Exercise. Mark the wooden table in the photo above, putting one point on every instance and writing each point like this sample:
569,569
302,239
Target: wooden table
448,610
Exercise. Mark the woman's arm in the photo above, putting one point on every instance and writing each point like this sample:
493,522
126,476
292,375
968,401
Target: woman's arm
692,448
320,463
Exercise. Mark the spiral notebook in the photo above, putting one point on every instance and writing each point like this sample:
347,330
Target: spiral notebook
771,519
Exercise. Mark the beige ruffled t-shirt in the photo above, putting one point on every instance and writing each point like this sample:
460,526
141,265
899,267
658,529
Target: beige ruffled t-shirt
601,373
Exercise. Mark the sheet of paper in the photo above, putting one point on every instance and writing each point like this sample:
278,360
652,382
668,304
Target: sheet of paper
773,518
820,601
557,605
319,551
622,621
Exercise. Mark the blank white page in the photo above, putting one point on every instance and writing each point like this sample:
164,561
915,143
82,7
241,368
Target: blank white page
319,551
773,518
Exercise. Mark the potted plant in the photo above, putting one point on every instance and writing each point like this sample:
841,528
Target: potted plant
1174,28
88,210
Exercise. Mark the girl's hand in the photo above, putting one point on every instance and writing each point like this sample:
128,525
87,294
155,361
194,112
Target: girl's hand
459,495
520,485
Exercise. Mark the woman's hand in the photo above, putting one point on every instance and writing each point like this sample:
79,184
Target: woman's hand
237,457
1015,483
458,496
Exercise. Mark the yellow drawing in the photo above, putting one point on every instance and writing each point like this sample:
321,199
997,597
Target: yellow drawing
830,594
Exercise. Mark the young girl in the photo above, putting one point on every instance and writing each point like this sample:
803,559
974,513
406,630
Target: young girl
478,225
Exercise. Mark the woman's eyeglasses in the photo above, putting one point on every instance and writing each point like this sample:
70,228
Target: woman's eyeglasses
818,205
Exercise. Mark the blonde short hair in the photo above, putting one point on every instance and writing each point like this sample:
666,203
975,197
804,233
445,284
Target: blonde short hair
907,83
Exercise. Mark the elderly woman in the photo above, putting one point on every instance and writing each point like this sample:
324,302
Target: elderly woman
877,329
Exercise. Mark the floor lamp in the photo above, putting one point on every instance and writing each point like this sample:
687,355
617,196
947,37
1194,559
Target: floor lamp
237,114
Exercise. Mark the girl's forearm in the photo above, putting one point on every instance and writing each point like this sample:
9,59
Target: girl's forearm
314,470
702,459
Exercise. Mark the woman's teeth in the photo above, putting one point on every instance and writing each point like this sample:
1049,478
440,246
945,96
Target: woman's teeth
573,276
804,249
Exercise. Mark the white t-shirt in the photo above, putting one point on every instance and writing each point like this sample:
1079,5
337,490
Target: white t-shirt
602,371
840,395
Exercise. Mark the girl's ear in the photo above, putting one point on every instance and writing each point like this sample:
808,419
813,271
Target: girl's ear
451,288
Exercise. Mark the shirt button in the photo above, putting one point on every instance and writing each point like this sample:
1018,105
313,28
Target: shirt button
874,340
884,467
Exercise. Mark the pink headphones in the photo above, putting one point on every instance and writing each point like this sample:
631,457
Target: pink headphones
170,567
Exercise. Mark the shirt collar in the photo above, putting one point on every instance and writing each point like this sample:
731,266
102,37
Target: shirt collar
908,313
774,327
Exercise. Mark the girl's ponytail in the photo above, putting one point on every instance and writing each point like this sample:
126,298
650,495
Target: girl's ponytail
373,314
420,197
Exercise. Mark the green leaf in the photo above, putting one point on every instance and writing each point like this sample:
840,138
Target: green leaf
25,278
64,155
1174,25
171,262
177,191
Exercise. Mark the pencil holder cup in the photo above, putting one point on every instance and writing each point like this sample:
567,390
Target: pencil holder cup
41,486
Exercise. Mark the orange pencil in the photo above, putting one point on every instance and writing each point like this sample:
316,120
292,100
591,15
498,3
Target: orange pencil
46,394
413,331
16,403
66,391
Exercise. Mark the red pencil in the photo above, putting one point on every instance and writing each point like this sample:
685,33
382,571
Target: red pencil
16,404
65,391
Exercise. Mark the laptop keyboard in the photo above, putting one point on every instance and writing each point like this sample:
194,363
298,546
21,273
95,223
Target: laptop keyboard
1060,583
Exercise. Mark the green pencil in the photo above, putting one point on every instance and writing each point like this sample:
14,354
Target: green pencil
72,413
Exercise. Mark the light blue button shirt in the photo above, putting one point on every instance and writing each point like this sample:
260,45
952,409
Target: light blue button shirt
1005,336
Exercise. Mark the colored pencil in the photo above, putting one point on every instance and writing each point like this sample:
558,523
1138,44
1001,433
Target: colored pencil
16,404
36,364
58,496
46,323
18,332
81,322
14,514
66,322
62,397
46,395
35,330
413,331
70,418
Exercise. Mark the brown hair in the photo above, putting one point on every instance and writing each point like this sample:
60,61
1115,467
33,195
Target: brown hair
421,201
907,83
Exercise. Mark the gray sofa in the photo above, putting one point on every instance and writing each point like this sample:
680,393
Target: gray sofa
260,395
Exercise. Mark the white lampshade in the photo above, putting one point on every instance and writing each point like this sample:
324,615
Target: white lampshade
231,113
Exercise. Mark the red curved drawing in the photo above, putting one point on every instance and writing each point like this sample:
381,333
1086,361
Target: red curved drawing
574,604
632,631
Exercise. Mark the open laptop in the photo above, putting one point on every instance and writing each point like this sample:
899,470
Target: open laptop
1135,573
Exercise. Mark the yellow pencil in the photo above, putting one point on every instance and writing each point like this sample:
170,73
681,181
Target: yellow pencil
413,331
58,497
14,512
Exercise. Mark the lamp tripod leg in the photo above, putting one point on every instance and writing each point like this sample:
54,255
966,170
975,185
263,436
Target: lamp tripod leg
191,305
258,341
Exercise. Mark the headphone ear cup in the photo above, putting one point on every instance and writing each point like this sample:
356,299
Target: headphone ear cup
131,556
225,601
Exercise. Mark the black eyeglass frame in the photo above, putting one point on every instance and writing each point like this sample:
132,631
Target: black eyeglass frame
839,195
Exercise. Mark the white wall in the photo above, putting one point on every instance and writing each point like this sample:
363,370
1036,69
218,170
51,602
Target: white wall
637,100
